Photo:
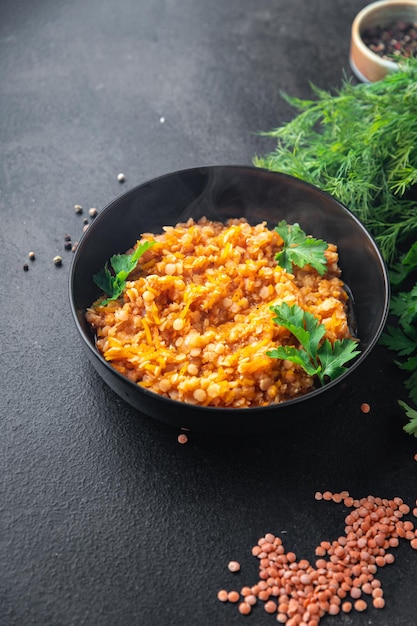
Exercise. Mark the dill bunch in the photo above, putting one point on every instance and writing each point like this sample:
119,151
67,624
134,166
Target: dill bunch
359,144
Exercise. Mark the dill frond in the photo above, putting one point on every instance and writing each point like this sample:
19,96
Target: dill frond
358,143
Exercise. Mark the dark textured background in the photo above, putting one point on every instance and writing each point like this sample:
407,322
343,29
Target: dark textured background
105,519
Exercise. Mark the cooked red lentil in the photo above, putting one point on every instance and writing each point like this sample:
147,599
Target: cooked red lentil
194,323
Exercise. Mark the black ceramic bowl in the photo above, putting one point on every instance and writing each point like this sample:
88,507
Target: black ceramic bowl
219,193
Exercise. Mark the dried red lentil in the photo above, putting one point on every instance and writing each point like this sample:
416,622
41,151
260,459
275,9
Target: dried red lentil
245,608
222,595
234,566
299,593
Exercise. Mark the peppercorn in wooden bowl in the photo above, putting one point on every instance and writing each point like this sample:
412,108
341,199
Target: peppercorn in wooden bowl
383,33
188,335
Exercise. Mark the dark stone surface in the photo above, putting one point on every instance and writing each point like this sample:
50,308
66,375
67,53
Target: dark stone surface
105,518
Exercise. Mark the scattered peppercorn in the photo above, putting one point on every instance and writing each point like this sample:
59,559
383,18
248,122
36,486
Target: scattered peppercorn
92,213
396,40
85,221
78,209
365,407
25,267
31,255
182,438
67,245
67,237
121,178
57,260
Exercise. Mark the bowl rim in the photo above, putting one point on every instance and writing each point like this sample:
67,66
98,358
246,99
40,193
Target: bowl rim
233,410
373,9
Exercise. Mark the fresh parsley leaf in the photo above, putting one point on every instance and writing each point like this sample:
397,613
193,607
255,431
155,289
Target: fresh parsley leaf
411,427
301,357
403,342
122,265
334,356
302,324
318,358
300,249
409,365
407,264
113,284
404,306
411,385
104,279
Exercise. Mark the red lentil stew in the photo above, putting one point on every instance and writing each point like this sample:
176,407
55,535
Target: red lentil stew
194,321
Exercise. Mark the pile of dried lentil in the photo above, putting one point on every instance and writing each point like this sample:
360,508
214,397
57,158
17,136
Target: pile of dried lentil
343,576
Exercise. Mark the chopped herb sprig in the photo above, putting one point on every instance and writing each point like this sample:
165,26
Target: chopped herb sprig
317,357
402,338
114,283
300,249
411,427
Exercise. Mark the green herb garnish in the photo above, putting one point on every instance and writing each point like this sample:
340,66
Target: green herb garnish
318,358
407,263
300,249
402,339
411,427
114,283
359,143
